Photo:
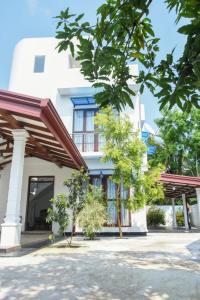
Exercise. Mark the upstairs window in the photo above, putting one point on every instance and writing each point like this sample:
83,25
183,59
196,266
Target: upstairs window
39,64
84,120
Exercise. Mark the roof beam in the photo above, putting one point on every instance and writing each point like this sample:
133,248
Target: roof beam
10,119
16,125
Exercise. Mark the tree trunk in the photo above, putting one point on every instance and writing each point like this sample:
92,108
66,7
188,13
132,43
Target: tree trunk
73,227
118,205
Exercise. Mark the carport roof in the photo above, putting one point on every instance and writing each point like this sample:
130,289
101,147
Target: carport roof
48,137
176,185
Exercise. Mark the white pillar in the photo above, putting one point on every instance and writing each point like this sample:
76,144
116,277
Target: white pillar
198,203
174,225
11,228
185,212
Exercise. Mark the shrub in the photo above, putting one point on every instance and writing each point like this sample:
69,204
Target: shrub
94,213
180,218
57,212
155,217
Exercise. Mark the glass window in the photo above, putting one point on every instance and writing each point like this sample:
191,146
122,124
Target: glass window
112,212
96,181
78,120
123,192
111,195
124,215
78,140
111,190
39,64
89,120
89,142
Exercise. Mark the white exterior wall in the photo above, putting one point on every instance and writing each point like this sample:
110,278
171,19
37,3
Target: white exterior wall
32,167
195,215
59,82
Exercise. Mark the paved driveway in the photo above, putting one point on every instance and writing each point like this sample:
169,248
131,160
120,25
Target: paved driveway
159,266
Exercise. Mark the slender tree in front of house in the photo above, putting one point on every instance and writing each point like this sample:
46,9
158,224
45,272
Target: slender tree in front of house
125,150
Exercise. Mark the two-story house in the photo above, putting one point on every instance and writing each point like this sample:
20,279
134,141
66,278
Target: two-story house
40,71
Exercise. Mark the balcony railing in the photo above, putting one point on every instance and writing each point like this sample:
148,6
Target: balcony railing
88,142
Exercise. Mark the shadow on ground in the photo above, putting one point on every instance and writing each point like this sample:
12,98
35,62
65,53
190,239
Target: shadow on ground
102,274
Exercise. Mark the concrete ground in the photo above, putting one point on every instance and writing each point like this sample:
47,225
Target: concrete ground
159,266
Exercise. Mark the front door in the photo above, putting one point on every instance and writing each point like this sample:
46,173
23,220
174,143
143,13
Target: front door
41,190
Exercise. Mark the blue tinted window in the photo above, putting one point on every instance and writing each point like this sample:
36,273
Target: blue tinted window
39,64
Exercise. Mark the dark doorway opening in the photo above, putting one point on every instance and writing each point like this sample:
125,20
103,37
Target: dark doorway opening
40,191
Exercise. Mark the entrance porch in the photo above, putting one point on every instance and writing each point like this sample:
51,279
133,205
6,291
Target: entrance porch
33,142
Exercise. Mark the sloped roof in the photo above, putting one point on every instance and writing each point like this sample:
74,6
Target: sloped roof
176,185
48,136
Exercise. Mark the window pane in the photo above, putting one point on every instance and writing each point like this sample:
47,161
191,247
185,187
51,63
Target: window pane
78,120
78,140
112,213
89,120
96,181
111,192
39,64
123,192
89,141
124,215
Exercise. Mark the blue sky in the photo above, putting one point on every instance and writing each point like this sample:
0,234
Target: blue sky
34,18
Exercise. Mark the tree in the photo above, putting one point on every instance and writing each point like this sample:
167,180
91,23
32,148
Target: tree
178,145
122,35
124,148
77,186
152,189
94,214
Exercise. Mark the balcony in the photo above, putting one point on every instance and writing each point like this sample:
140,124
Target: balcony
88,142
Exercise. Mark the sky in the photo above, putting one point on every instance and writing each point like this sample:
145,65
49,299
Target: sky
34,18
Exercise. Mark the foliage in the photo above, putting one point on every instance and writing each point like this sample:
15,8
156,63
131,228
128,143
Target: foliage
58,213
155,217
180,218
153,188
122,35
77,191
74,201
94,214
178,148
124,148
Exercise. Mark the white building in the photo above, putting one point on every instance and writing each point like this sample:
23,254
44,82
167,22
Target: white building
38,70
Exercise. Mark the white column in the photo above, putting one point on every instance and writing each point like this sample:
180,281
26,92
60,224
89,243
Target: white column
198,203
11,228
174,225
185,212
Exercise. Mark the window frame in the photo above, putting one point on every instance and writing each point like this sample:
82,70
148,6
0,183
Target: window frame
35,63
104,187
84,131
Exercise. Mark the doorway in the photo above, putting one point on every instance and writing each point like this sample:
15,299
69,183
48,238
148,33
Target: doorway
40,191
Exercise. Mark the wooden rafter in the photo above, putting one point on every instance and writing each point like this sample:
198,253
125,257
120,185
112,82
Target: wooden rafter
16,125
39,116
